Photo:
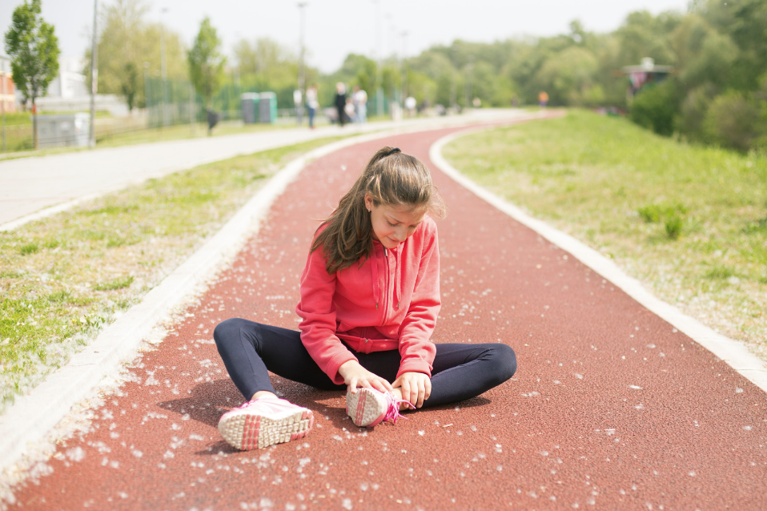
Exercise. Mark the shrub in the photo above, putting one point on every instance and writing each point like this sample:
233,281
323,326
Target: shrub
693,112
733,121
650,214
654,107
673,226
29,248
672,216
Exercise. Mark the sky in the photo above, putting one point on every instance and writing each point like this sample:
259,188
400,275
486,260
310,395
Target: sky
335,28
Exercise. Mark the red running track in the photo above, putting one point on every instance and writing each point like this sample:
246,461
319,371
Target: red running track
611,407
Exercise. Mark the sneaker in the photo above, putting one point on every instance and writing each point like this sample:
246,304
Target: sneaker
263,422
369,407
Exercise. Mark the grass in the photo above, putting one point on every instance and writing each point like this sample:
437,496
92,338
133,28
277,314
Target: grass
184,132
690,222
63,278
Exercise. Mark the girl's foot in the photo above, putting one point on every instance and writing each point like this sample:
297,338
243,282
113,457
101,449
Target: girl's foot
369,407
265,421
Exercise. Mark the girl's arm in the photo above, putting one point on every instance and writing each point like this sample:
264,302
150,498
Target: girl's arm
318,314
415,346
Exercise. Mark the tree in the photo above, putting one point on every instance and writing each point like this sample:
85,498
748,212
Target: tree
125,42
206,64
129,85
34,50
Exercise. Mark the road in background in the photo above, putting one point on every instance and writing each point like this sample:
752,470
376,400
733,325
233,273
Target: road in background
37,185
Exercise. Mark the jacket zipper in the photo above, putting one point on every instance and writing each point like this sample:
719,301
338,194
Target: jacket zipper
386,287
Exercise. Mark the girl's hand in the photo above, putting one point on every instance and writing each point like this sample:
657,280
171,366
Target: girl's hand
415,387
355,375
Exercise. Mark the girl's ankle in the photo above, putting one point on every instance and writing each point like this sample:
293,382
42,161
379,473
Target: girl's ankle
263,394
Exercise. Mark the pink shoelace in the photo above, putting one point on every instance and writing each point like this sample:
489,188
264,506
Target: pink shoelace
392,412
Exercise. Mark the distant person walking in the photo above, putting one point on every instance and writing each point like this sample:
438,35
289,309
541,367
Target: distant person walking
311,103
360,100
543,99
340,103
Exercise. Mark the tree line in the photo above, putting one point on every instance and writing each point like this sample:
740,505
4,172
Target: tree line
717,92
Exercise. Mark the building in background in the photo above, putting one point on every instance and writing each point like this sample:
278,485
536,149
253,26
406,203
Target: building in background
70,82
7,89
646,74
68,92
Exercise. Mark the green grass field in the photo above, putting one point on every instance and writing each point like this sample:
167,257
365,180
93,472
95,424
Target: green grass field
64,277
689,222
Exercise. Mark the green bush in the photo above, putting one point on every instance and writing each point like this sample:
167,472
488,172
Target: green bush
671,215
733,121
693,112
29,248
655,107
673,226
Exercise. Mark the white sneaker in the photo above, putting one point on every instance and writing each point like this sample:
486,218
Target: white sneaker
265,421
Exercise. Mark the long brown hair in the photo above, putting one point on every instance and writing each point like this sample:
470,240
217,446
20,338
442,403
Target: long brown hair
391,178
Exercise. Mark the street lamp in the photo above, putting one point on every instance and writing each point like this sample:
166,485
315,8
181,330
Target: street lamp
94,74
404,35
379,89
163,67
146,93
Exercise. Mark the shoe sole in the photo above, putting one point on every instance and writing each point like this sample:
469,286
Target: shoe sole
247,431
366,408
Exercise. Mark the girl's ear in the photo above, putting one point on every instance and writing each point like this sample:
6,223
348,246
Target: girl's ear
368,203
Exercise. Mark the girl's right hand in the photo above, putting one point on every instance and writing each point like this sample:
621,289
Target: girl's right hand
355,375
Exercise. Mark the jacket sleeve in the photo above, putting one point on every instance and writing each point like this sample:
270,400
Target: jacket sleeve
415,346
318,318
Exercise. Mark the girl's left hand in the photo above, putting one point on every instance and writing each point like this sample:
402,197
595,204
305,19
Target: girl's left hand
415,387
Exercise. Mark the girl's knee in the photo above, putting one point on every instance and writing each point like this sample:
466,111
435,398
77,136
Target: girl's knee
227,330
506,362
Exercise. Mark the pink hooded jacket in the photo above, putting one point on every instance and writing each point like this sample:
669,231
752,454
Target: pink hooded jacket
390,301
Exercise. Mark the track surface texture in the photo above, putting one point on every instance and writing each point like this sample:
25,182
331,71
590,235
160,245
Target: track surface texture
611,408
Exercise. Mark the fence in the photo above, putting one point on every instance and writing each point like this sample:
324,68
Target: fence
171,103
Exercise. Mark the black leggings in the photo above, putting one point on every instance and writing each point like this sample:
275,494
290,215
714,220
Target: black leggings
250,350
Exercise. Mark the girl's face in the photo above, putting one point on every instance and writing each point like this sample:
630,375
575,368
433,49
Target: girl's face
393,224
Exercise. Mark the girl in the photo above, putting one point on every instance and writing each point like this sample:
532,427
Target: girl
369,304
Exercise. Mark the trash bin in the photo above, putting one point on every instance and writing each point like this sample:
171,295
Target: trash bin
63,130
268,107
250,109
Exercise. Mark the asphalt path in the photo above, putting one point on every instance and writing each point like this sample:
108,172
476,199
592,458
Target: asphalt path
37,186
611,408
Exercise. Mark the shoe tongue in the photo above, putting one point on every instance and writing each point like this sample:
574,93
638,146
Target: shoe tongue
269,397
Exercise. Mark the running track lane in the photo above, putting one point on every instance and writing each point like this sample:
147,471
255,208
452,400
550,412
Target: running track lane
611,408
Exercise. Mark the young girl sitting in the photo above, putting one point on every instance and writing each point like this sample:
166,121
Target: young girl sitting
369,304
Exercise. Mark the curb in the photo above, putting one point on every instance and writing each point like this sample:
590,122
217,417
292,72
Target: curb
734,353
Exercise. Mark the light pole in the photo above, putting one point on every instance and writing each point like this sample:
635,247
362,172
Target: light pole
404,34
94,73
146,93
379,89
299,98
4,80
163,68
